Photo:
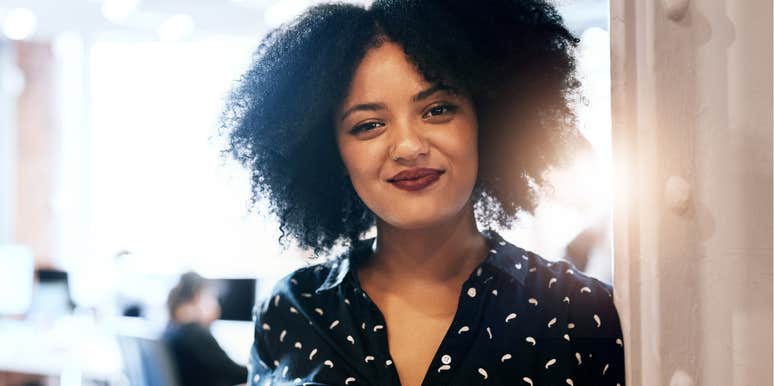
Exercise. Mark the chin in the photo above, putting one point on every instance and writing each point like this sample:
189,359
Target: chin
413,224
421,213
419,219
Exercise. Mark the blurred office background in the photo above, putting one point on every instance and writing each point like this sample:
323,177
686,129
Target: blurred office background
112,183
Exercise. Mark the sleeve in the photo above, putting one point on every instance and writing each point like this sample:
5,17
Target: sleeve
597,338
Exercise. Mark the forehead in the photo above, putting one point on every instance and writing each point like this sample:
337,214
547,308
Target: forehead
385,71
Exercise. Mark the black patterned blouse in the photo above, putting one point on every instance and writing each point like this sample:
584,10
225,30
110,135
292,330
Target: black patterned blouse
521,320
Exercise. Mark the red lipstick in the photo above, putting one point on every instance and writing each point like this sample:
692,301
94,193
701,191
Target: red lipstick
415,179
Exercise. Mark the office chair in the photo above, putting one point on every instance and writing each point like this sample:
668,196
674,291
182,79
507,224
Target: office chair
147,362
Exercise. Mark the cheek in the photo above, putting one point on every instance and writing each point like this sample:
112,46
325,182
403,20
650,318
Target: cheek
469,145
461,147
361,159
462,153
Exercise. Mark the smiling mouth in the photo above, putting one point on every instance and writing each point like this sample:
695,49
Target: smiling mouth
415,179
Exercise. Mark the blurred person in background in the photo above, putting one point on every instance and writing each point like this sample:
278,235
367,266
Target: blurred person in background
200,361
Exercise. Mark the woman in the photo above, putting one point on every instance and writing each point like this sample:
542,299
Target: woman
421,118
199,359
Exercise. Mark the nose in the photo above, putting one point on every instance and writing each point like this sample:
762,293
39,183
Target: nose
408,145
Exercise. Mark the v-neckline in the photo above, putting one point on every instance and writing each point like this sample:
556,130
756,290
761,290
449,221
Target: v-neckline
467,315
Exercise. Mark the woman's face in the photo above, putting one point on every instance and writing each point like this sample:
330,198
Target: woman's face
393,121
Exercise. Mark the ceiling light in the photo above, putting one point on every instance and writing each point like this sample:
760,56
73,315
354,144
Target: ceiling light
118,11
20,24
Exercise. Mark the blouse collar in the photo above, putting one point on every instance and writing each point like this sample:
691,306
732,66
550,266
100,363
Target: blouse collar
506,257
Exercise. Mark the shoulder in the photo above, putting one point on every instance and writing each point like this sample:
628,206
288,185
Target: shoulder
294,307
588,301
558,286
301,283
306,280
310,287
316,280
565,277
537,273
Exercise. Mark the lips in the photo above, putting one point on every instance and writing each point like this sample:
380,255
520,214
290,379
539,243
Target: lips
415,179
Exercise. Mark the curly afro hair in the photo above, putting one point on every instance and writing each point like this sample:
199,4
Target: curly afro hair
515,58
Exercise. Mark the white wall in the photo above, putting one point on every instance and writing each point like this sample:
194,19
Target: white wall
692,132
10,83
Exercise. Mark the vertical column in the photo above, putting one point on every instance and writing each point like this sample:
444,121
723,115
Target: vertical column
37,137
11,84
692,121
72,202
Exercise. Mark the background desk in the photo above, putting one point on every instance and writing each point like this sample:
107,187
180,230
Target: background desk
78,350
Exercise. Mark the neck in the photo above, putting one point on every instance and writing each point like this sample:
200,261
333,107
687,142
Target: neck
443,253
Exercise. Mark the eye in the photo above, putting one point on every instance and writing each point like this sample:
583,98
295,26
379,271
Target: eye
438,110
368,126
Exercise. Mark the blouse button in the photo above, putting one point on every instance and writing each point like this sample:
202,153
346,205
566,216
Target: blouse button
446,359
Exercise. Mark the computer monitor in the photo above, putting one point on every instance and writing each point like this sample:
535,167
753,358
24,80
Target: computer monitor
51,295
236,298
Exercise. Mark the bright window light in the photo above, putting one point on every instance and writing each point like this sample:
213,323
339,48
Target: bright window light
176,28
159,186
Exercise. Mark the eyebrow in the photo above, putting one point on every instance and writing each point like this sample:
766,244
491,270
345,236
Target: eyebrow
424,94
